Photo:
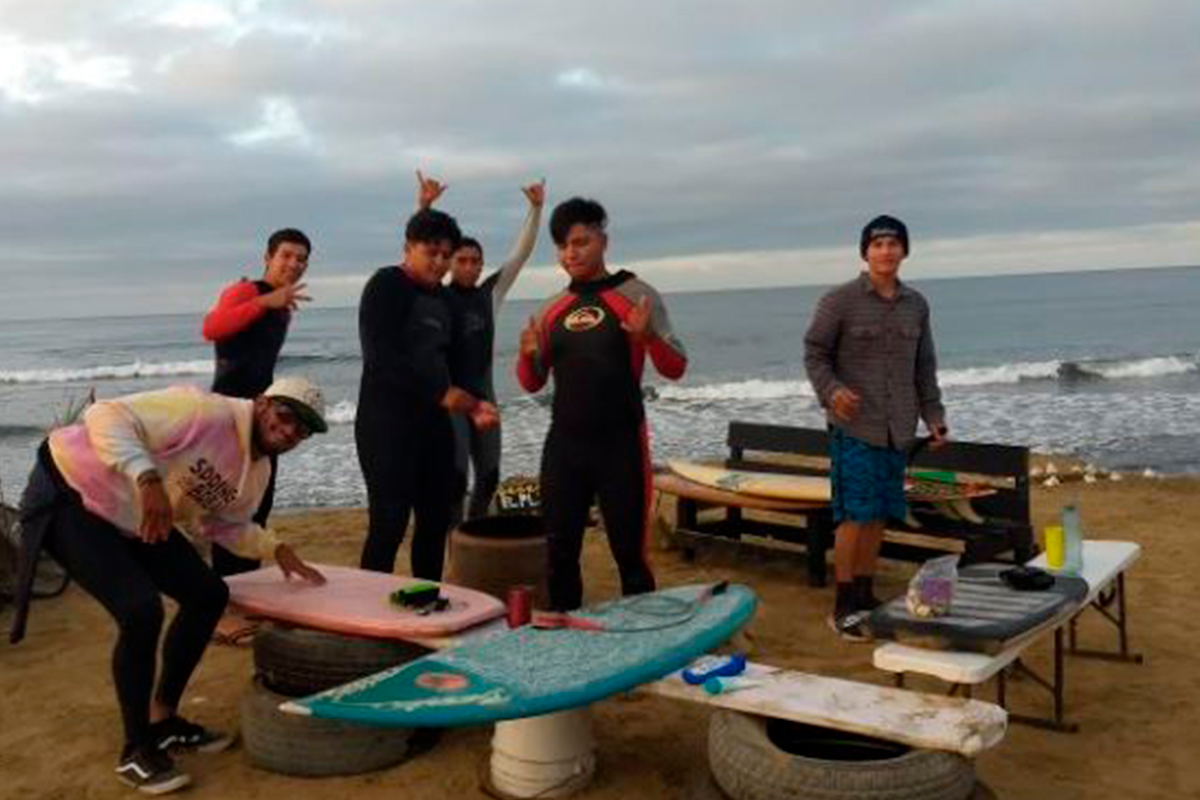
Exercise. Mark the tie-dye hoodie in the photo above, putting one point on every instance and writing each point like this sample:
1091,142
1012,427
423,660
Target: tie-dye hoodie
198,442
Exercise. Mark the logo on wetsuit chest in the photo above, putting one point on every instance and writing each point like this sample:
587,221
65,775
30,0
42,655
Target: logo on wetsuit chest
584,319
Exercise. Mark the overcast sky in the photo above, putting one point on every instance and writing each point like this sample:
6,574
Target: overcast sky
147,147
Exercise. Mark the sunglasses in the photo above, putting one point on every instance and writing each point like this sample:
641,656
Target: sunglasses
288,416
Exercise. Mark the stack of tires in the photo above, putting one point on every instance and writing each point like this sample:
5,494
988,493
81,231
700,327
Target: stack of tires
294,662
758,758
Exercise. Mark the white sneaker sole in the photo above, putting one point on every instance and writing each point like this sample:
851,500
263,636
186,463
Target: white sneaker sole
847,636
164,787
216,746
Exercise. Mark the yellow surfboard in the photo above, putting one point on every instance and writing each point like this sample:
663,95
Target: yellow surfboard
759,484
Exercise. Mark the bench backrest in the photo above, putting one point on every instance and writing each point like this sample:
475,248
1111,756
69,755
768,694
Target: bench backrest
1006,467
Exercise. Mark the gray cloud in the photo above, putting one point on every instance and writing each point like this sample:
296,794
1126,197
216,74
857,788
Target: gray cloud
769,127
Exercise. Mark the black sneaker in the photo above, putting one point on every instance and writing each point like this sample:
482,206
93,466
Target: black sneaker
869,603
177,733
150,770
852,626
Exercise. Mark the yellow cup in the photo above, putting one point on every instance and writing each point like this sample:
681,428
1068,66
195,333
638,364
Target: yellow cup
1054,546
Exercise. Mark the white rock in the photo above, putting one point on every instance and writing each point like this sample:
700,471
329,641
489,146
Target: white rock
1077,469
1051,469
1050,482
1035,472
1089,478
1116,476
1149,473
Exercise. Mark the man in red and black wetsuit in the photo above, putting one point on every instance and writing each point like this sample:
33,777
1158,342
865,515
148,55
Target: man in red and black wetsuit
595,337
247,326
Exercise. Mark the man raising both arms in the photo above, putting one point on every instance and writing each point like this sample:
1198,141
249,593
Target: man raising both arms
594,338
474,306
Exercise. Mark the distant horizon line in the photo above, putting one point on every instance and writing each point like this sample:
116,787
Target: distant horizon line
668,292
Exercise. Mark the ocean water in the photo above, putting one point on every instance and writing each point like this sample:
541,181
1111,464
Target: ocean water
1102,365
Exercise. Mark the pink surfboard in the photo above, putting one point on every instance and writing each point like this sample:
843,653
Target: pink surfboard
356,601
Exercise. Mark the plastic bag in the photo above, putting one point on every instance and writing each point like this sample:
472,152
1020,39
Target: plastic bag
931,590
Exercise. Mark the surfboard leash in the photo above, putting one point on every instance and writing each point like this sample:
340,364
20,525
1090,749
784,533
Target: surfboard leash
672,611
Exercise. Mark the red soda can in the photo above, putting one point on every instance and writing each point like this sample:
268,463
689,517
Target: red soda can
520,606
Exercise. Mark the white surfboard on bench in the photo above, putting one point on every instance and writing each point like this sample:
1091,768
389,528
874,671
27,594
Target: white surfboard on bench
934,722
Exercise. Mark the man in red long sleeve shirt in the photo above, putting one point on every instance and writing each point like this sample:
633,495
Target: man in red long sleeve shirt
247,326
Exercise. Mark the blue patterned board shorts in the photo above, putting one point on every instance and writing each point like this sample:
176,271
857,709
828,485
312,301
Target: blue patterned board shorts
868,480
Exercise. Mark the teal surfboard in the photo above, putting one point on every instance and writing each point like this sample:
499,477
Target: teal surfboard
527,671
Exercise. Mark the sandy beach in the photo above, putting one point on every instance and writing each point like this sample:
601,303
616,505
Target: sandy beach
59,729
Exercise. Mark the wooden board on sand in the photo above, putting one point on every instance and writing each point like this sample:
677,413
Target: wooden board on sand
921,720
931,721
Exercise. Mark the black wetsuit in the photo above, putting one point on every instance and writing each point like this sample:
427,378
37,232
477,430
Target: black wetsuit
245,368
246,361
475,325
404,435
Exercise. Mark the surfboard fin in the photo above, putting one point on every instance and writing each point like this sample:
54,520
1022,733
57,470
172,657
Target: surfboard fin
966,511
945,509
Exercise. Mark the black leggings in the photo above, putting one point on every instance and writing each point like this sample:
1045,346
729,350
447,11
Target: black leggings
226,562
574,471
408,470
127,576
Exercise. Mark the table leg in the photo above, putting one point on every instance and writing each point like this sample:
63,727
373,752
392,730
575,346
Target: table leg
1121,623
1056,688
1059,678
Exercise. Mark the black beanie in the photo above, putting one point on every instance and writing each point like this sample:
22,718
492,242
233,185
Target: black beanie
883,225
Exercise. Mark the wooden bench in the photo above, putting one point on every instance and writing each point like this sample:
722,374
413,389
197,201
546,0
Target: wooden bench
1104,567
1006,533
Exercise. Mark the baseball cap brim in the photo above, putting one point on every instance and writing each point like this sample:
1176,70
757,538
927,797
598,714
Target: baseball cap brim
311,419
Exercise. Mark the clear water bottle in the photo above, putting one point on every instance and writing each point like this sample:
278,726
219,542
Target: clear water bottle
1072,540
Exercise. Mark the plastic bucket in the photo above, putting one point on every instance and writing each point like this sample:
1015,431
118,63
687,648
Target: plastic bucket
553,755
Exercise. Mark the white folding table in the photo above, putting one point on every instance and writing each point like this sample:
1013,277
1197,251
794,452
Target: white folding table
1104,567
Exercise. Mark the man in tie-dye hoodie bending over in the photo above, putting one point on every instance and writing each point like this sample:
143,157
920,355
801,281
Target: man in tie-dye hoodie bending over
112,497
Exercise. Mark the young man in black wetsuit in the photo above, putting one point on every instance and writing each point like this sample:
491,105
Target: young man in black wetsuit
247,327
474,305
594,337
402,427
